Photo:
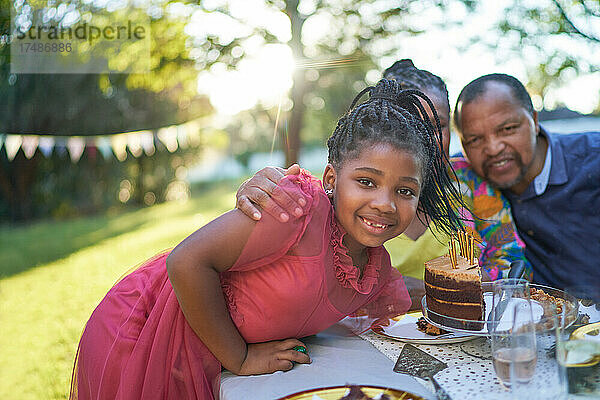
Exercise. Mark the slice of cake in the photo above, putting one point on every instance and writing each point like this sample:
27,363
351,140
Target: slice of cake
453,289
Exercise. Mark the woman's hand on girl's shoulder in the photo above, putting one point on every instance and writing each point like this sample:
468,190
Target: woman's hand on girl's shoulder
268,357
263,190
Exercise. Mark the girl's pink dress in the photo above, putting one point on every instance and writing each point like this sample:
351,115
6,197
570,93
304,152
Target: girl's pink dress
292,279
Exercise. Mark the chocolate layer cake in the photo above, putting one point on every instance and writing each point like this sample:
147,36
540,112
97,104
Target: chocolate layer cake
454,292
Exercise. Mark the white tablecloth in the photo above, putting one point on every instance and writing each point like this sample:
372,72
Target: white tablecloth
337,359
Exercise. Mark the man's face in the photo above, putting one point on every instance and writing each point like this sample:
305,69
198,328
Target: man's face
499,137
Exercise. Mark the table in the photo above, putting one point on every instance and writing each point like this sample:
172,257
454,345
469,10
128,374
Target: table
470,375
338,358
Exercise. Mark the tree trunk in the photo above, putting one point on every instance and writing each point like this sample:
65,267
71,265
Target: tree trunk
292,143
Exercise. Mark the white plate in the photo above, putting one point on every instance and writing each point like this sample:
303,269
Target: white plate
404,329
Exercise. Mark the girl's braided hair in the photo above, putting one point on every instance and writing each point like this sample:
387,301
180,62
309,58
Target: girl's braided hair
397,117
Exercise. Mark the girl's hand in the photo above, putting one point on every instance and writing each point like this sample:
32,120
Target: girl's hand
263,189
268,357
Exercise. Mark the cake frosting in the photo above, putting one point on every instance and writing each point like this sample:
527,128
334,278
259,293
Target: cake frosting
454,291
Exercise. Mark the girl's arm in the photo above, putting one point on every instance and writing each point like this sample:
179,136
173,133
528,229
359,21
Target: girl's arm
193,268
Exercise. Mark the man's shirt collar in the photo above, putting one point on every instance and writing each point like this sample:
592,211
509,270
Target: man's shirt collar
541,181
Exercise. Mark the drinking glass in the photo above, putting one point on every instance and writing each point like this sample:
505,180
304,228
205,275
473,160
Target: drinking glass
512,331
503,290
548,379
514,354
579,350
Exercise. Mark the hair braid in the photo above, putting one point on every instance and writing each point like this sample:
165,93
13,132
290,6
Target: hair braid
411,77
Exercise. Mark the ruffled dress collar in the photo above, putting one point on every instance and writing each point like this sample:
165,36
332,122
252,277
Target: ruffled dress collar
346,273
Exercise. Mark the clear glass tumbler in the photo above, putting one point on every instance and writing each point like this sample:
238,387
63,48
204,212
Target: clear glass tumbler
512,331
579,350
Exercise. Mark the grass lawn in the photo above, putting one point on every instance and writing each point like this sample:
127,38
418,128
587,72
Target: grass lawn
53,274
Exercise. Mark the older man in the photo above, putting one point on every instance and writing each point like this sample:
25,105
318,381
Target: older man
552,181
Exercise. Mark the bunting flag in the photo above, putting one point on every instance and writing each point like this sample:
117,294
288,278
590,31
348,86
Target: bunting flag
168,137
46,145
193,129
119,146
61,146
29,145
12,145
137,143
134,144
103,145
147,140
182,136
75,145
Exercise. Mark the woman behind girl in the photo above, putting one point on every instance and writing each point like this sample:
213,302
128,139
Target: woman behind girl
238,293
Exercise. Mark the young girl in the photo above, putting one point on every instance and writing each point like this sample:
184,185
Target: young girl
493,225
237,293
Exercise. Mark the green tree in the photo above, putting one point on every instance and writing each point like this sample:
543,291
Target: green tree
562,36
92,104
350,35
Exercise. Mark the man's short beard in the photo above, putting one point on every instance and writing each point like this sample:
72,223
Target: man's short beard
507,185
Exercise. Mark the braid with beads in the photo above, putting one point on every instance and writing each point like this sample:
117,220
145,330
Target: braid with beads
397,117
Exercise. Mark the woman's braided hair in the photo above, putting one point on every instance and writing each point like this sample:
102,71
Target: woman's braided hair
397,117
411,77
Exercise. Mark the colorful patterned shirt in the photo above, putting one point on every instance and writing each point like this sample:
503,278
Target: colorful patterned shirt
493,223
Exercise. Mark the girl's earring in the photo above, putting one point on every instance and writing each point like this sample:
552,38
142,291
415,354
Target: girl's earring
329,192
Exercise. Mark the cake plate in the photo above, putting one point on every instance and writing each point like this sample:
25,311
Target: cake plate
481,348
480,327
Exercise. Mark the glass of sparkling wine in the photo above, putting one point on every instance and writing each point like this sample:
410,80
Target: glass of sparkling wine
514,352
512,332
579,351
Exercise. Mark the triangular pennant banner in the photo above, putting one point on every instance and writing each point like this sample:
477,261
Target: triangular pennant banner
119,146
103,145
168,136
147,140
90,148
193,132
182,136
134,144
12,145
61,146
29,145
75,144
46,145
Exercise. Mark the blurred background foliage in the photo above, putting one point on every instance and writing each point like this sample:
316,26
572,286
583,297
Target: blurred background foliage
338,47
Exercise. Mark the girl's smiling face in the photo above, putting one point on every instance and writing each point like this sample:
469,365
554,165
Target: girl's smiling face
375,195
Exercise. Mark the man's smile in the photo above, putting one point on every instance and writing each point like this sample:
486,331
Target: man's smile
500,165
